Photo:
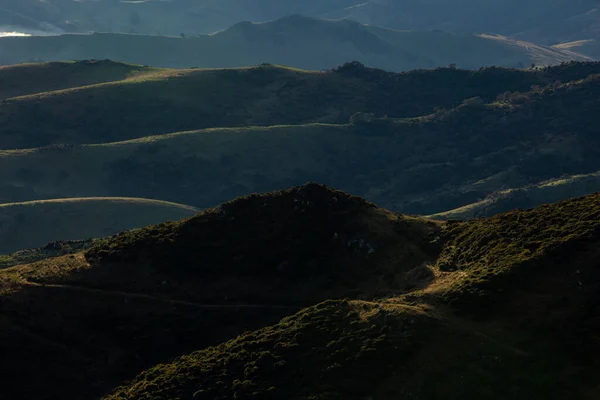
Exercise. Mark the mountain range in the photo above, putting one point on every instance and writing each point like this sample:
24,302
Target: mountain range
574,24
297,41
509,17
449,143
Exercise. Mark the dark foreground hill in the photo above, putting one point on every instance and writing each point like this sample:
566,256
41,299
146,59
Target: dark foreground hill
298,41
424,164
495,308
152,294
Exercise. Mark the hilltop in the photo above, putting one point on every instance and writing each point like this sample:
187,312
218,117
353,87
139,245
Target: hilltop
488,308
295,40
417,160
35,223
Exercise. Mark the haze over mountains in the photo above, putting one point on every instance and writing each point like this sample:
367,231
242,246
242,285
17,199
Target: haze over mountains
533,20
296,41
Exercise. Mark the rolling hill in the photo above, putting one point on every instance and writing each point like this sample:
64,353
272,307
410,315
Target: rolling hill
36,223
492,308
423,164
25,79
298,41
166,101
530,196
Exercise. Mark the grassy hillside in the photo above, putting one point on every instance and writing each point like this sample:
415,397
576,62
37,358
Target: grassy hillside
33,224
24,79
530,196
421,165
492,308
170,101
295,40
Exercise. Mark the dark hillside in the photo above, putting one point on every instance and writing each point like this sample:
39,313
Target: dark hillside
294,245
149,295
502,307
522,321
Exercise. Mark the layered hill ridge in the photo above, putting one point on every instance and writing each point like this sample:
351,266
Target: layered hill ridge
525,127
293,40
166,101
425,301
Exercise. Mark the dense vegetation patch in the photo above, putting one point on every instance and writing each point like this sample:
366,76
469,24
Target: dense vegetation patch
335,350
499,252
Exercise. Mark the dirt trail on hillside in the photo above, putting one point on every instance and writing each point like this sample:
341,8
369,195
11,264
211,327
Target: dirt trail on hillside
159,299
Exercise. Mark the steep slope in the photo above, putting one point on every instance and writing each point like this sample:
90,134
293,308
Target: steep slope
149,295
33,224
298,41
513,311
419,165
24,79
170,101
